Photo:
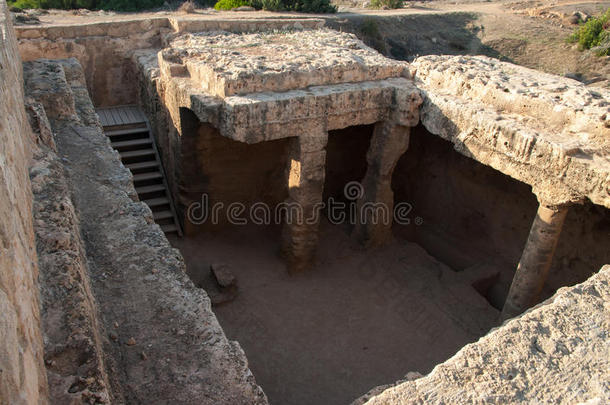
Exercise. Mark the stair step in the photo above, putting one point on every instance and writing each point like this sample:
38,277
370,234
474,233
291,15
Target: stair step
142,165
162,215
129,131
156,202
134,142
150,189
147,176
137,153
167,228
137,150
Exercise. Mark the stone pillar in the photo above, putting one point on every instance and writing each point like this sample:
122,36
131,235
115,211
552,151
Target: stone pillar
535,260
302,210
376,206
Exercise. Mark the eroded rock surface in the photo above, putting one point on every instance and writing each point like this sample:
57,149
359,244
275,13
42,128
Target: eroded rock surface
225,64
544,130
74,354
156,327
22,374
270,92
557,352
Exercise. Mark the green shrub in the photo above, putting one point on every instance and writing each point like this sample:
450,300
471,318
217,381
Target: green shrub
314,6
230,4
25,4
603,49
304,6
257,4
68,4
386,3
593,34
272,5
117,5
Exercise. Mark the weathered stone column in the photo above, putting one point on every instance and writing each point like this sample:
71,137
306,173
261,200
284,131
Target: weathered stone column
536,260
376,206
302,210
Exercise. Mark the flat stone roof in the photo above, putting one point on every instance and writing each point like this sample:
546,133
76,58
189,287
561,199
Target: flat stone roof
550,132
225,64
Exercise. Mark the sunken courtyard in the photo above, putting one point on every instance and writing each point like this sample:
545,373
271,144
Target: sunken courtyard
254,210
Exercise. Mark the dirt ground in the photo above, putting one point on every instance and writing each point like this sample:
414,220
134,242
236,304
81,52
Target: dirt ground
357,320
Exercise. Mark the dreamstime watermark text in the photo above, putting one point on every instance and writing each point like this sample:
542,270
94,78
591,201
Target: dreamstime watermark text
350,210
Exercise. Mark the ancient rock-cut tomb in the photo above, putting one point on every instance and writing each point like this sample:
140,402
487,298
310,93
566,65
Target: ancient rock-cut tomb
354,220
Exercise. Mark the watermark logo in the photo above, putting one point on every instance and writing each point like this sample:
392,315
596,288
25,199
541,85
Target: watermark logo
353,190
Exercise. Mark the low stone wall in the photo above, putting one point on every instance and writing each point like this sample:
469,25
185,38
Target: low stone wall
160,340
556,352
22,376
74,356
104,49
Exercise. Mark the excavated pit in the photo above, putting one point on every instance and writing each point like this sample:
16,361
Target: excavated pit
365,317
323,313
404,299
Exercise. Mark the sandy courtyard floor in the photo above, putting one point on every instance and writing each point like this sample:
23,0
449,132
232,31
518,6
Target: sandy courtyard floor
357,320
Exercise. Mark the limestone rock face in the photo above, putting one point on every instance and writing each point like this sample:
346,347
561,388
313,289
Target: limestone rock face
553,103
267,86
557,352
22,375
544,130
163,341
225,64
69,313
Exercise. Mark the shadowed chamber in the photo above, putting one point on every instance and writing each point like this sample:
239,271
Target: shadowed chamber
361,318
345,163
476,219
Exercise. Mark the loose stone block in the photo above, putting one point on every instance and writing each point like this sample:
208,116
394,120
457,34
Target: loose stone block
225,289
223,275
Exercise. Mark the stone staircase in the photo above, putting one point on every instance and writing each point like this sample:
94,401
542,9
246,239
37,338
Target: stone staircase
130,135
